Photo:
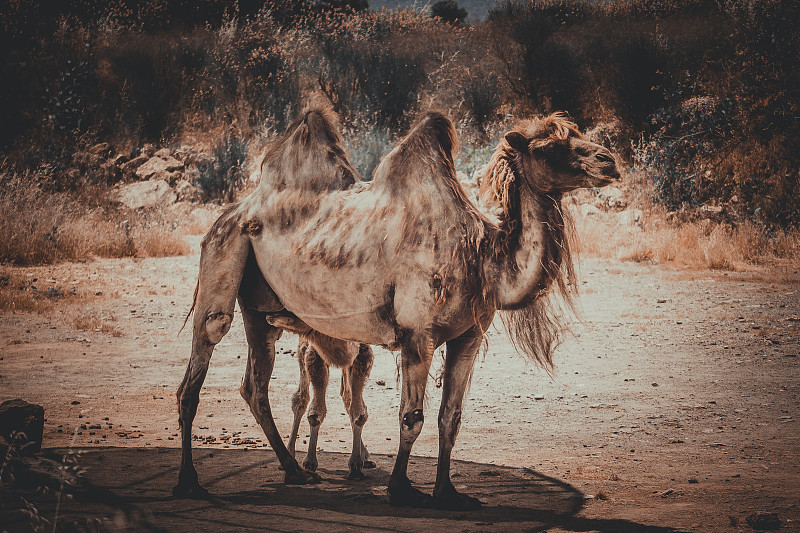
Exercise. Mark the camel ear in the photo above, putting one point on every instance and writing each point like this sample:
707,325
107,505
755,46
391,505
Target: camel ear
517,141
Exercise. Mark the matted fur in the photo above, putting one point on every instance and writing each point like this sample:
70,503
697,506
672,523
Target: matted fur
536,327
425,156
316,130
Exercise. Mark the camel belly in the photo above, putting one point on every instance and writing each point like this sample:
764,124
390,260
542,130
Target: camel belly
344,305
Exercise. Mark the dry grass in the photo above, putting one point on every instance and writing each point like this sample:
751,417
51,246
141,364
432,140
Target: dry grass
160,242
699,244
91,322
42,228
27,295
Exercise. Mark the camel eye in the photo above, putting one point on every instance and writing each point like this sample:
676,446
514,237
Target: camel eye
603,158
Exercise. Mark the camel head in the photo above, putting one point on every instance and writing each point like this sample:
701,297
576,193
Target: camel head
555,157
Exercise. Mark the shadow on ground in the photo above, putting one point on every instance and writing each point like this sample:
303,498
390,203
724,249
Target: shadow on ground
130,489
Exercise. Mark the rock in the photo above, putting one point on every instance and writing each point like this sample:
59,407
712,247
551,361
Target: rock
147,150
121,159
164,175
163,153
197,216
22,424
101,149
109,172
131,166
588,210
712,212
146,194
762,521
611,198
629,217
158,164
187,192
191,156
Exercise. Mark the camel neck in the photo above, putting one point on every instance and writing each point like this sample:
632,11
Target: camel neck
533,248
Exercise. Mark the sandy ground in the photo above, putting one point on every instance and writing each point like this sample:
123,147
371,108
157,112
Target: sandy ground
674,407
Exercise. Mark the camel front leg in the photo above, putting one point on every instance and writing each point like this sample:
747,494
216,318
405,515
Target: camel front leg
300,397
354,379
416,361
261,338
459,364
318,376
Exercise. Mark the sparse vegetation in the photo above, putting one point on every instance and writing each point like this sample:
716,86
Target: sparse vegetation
92,322
41,227
703,97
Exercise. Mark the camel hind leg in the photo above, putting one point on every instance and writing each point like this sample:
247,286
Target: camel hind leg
222,260
300,397
318,376
261,338
354,379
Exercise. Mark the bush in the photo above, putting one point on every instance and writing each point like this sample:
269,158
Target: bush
643,67
449,11
482,99
366,146
221,178
133,71
685,142
375,82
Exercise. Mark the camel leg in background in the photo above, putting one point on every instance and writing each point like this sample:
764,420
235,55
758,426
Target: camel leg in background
416,362
222,262
459,362
300,397
261,338
354,379
318,376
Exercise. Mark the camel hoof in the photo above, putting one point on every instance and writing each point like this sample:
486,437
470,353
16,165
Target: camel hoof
309,465
301,476
190,491
404,495
455,501
369,464
356,475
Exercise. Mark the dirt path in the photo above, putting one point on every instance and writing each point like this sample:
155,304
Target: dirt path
674,406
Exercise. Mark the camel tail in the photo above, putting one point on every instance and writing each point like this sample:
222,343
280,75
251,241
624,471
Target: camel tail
191,309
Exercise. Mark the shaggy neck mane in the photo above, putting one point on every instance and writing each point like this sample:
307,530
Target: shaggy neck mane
536,324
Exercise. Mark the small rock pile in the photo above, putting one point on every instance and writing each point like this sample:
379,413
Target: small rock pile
161,177
150,178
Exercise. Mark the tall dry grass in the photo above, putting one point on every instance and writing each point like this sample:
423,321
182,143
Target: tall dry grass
700,244
22,294
40,227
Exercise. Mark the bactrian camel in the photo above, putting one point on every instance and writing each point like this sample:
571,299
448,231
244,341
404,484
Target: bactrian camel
407,262
314,372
